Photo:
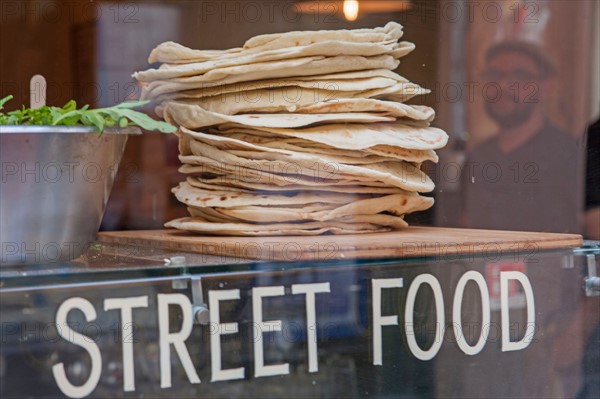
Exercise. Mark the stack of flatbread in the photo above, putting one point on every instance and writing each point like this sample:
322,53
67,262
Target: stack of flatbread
297,133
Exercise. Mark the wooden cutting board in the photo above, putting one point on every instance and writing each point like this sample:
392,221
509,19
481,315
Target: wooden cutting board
410,242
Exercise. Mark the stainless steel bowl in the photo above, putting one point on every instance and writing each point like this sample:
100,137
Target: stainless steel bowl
55,182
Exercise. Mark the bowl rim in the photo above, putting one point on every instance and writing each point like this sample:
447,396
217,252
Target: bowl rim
47,129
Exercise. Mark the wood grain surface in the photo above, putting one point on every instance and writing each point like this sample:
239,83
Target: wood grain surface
407,243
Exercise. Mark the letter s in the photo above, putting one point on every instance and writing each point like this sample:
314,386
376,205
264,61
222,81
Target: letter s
58,370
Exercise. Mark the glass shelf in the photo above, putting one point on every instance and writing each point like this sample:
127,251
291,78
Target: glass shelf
109,262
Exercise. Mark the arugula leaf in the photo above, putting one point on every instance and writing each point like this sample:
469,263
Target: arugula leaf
92,118
122,114
5,100
145,121
132,104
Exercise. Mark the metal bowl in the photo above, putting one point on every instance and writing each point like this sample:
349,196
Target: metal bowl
55,183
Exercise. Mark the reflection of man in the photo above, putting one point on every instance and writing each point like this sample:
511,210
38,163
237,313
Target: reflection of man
528,177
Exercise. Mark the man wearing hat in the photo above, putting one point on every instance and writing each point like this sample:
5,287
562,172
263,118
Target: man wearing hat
529,175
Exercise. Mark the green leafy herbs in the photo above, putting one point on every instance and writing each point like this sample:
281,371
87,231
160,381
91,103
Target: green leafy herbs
5,100
121,115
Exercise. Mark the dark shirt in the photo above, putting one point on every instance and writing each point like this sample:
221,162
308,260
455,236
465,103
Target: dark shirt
536,187
592,184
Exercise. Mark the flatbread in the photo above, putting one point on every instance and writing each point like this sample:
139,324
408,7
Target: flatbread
237,185
352,81
289,91
194,196
264,103
191,67
170,52
304,133
323,159
315,65
391,31
195,224
248,215
250,150
355,136
193,117
301,145
332,164
217,171
390,108
397,205
395,173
